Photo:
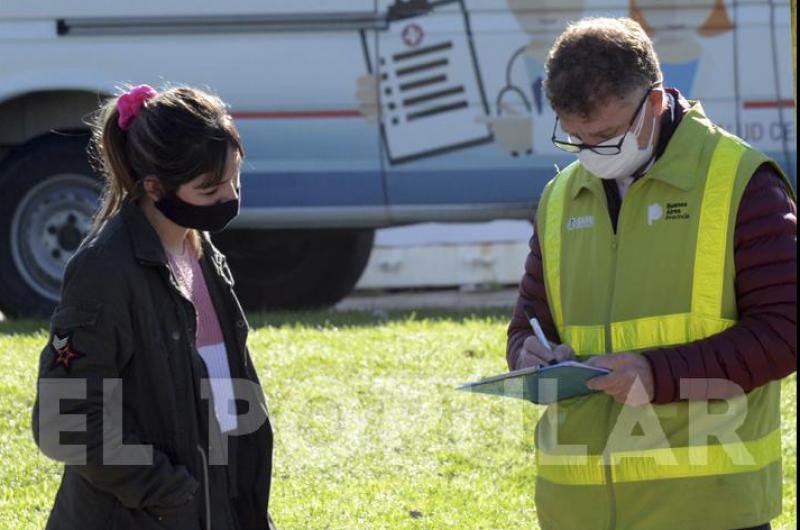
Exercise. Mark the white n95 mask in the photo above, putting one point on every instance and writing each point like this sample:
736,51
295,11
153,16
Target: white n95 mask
628,160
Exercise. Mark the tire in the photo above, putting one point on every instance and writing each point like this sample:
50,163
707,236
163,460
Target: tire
48,195
294,269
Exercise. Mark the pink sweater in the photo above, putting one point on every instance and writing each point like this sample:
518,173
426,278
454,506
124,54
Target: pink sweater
210,342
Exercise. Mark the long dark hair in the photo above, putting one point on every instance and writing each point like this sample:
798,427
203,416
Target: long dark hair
178,135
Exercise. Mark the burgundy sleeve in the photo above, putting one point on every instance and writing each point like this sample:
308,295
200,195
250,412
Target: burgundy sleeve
762,347
531,293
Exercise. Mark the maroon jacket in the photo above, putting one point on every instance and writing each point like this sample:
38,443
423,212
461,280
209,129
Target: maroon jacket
762,347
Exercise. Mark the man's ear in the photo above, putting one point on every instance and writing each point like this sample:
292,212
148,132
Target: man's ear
658,98
153,188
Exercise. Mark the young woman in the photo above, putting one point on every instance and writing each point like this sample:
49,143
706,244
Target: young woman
147,357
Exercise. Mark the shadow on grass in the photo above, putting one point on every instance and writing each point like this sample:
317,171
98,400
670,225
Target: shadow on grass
323,318
369,318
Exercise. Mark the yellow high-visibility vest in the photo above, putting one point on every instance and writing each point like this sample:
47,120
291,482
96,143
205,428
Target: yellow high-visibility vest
666,277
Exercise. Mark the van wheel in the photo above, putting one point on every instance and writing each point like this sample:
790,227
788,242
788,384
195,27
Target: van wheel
48,196
294,269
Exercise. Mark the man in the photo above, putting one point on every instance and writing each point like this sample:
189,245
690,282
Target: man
666,253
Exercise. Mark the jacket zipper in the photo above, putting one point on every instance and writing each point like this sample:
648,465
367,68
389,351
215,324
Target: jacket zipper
612,497
612,522
609,343
611,285
206,486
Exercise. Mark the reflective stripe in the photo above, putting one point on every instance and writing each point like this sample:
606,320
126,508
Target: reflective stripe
586,340
709,262
660,464
707,287
571,470
712,231
664,330
554,221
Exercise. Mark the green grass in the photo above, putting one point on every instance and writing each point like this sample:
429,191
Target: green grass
369,431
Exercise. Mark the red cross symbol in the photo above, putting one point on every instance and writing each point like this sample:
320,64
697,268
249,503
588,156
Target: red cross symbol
413,35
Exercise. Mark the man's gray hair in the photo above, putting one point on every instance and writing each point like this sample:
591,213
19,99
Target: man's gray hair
596,60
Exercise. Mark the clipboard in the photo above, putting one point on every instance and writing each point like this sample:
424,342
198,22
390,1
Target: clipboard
542,386
431,88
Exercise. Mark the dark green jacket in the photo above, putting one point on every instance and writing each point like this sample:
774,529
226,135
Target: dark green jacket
122,319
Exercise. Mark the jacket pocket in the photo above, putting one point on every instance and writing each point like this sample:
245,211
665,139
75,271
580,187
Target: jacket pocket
179,518
185,516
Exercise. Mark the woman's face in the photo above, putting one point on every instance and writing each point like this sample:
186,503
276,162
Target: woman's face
200,193
546,16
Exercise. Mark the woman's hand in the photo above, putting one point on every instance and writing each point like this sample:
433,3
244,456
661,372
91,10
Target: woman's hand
534,353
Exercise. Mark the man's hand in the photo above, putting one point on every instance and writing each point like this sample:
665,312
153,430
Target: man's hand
533,353
630,381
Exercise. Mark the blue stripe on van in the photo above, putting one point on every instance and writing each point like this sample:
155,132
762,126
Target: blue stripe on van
506,185
424,187
511,185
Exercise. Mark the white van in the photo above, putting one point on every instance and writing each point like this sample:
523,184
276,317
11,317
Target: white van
355,114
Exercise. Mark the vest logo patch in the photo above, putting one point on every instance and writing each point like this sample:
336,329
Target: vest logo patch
671,211
677,210
575,223
654,213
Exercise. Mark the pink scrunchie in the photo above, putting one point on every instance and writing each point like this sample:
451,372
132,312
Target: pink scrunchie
130,103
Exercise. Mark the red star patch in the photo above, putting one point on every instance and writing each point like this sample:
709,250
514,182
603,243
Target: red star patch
64,352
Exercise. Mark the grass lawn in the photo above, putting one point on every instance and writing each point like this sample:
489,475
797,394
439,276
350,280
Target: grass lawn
369,431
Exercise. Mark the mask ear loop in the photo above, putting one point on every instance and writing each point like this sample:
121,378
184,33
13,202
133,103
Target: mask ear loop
637,129
655,118
657,86
640,122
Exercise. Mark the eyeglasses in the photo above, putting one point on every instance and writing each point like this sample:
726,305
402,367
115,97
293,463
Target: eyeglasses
573,148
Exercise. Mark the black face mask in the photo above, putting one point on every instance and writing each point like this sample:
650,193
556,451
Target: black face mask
212,218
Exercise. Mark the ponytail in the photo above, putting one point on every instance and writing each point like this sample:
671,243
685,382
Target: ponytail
109,152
